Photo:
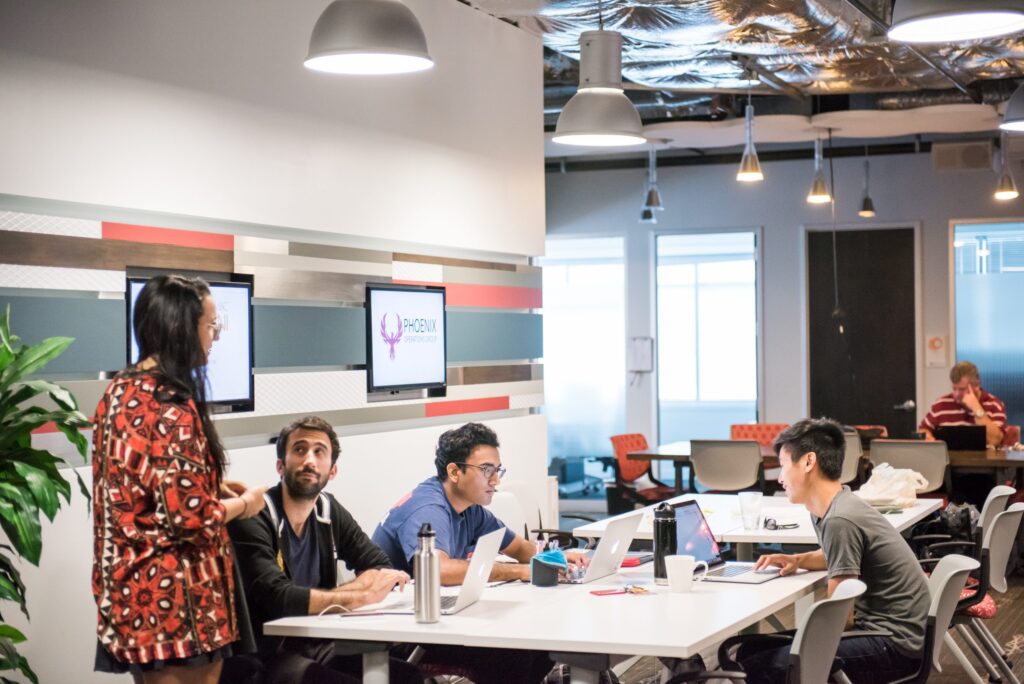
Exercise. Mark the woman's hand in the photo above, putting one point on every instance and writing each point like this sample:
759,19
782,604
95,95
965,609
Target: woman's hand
230,488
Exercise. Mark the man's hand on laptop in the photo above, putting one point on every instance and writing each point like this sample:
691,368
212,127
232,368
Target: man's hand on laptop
376,579
787,563
577,558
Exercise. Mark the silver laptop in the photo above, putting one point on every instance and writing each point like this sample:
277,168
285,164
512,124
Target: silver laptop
694,538
473,585
610,550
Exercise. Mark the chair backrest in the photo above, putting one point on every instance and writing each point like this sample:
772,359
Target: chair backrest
1011,435
527,503
928,458
506,508
851,457
762,433
999,538
995,503
726,465
817,636
945,584
624,444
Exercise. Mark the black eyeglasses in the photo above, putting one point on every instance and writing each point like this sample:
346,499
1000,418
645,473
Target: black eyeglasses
488,469
772,524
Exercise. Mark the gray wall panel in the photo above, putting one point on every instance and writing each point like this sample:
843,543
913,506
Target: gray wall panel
98,326
309,336
474,336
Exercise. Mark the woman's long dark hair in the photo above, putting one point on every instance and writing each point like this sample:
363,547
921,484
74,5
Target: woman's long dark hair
166,325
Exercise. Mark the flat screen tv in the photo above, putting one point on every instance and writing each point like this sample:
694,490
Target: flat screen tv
406,345
229,370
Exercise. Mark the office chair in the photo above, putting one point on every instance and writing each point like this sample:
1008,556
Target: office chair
726,465
853,459
931,459
627,492
762,433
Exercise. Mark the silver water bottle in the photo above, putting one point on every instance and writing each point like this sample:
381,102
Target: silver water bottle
426,568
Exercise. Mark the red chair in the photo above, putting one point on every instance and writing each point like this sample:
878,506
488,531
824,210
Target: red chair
625,493
1011,435
762,433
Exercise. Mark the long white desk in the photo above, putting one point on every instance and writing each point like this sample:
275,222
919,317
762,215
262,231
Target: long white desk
723,514
568,619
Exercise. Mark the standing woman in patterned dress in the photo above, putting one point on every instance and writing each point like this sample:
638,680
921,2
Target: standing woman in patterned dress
163,565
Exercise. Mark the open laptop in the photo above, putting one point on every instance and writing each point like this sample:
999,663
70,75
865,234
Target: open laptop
610,550
694,538
962,437
473,585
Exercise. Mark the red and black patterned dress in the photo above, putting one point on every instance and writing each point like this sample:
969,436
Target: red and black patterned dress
162,566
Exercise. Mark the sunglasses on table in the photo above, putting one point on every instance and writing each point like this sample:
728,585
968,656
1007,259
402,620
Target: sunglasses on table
773,524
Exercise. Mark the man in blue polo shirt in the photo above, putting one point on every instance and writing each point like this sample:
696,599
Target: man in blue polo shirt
468,472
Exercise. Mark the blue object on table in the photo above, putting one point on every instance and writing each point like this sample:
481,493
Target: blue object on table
545,566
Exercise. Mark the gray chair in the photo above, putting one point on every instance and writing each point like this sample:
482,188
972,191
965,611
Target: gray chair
852,459
726,465
931,459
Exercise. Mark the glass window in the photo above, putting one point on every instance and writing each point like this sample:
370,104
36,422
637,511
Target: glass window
584,345
707,334
988,267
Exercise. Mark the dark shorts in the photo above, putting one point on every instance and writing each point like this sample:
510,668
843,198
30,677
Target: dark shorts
107,663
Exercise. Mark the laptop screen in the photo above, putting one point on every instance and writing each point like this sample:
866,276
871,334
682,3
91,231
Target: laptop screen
693,536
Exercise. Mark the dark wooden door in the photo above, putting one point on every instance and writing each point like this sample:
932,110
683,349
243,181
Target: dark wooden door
862,363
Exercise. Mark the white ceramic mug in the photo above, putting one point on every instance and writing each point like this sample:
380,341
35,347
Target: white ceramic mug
680,571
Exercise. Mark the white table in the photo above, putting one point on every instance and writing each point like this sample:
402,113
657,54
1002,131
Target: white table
569,622
723,514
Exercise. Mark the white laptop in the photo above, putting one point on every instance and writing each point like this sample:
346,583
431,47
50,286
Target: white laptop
473,585
694,538
610,550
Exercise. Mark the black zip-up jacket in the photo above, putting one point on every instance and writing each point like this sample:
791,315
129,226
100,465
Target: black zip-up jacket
261,552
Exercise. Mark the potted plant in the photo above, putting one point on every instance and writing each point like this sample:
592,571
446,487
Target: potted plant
30,482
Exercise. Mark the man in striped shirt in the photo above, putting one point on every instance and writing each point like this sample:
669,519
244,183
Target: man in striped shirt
967,404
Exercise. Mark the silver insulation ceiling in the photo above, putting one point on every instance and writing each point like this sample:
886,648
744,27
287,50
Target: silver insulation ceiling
815,47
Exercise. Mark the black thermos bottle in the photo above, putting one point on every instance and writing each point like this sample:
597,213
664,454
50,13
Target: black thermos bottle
664,540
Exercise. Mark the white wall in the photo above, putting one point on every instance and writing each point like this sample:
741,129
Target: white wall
204,109
905,191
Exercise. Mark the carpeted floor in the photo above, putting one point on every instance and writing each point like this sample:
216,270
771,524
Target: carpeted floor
1007,626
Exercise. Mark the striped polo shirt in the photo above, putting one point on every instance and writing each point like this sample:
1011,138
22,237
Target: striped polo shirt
946,411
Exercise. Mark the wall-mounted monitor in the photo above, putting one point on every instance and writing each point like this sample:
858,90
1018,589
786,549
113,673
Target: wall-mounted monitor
406,344
229,370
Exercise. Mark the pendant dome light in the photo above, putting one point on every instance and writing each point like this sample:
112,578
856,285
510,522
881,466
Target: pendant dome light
1013,117
368,37
950,21
1006,189
652,198
647,216
867,207
599,114
750,166
819,193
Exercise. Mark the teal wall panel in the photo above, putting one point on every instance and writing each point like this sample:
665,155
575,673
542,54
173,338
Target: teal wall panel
98,326
474,336
309,336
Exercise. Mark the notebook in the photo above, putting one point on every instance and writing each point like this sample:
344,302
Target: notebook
962,437
610,550
473,585
694,538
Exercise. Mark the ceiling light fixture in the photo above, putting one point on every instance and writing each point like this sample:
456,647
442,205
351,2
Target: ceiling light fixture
647,216
652,198
1006,189
819,193
368,37
750,166
950,21
1013,117
600,114
867,207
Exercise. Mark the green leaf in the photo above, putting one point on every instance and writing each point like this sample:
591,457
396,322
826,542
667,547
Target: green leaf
28,360
75,437
19,518
11,633
42,488
8,342
26,670
8,654
31,388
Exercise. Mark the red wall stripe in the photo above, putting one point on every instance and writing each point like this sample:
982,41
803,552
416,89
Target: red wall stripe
492,296
451,408
168,236
45,428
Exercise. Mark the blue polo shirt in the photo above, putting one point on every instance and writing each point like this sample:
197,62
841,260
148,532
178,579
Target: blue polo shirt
457,533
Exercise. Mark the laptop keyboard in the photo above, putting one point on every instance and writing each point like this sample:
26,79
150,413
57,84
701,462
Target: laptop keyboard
729,571
448,602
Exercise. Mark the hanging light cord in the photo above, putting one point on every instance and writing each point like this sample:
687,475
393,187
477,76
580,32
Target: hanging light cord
600,16
835,254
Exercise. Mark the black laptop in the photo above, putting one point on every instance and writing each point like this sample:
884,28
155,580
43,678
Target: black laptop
962,437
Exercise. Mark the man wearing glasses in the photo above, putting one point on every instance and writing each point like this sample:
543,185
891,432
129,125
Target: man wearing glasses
469,471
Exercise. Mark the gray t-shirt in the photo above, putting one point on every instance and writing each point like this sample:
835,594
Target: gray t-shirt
857,540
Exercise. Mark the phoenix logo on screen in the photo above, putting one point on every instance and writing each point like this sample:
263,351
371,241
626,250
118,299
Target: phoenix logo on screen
391,339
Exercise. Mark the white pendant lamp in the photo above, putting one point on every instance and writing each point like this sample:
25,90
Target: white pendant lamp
1013,117
950,21
652,198
600,114
750,166
819,193
867,207
368,37
1006,189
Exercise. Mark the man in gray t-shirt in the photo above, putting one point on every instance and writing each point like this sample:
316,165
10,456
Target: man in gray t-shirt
856,542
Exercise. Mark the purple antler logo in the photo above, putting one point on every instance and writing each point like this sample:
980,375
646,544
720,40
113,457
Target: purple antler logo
392,340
